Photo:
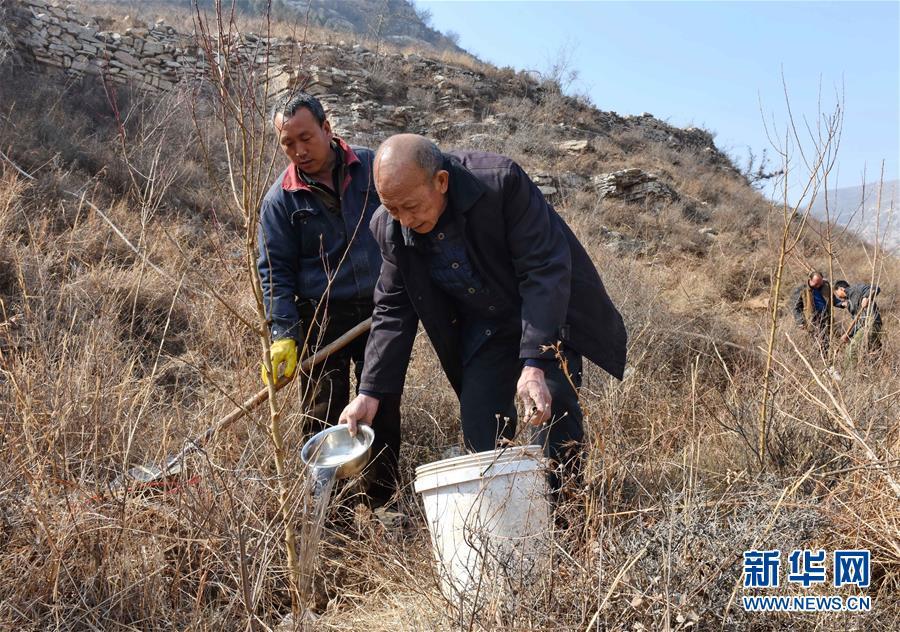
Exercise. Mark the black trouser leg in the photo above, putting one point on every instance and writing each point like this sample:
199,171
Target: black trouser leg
333,393
326,391
487,405
383,470
566,425
820,330
563,436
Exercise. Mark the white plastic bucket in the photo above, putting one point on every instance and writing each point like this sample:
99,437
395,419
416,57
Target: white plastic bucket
489,519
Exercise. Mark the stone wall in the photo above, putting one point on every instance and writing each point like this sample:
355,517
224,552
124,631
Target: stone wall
158,58
152,58
368,95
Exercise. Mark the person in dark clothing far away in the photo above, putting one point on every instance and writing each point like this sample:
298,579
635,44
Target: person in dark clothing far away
811,304
507,295
859,300
318,264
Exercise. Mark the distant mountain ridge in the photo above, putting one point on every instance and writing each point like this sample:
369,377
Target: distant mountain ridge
857,208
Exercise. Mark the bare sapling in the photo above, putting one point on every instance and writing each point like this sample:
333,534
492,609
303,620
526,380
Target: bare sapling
818,154
241,91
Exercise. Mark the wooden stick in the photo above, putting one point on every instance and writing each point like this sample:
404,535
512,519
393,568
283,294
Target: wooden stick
308,363
853,324
171,466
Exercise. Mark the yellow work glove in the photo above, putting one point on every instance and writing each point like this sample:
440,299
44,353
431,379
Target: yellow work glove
282,351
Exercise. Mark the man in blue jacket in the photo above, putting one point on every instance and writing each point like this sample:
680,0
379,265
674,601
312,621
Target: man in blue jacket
508,296
812,305
318,264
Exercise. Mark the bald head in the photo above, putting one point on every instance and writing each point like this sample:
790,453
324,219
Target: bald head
816,279
405,152
410,180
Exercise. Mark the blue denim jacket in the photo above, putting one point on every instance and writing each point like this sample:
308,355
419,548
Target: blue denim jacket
303,246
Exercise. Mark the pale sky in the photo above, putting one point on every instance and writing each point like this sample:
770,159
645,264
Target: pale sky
712,64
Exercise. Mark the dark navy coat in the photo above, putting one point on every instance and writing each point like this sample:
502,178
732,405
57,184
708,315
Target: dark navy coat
303,247
521,248
855,295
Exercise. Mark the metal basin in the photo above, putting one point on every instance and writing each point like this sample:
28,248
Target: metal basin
335,448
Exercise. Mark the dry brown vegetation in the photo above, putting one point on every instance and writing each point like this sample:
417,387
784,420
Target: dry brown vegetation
109,358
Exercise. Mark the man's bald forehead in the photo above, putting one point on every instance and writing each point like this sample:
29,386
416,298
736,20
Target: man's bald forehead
404,151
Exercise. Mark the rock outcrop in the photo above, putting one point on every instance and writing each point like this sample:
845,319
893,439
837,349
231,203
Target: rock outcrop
633,185
369,95
395,20
575,147
158,58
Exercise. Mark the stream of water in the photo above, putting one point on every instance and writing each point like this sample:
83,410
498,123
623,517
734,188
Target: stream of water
319,486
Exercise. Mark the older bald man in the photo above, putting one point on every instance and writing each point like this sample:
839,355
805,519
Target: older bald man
508,296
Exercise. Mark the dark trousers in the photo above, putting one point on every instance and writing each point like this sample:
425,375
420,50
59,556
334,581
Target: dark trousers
487,403
329,390
866,339
819,329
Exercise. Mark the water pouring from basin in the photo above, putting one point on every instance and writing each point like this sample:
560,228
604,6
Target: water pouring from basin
330,455
335,454
335,447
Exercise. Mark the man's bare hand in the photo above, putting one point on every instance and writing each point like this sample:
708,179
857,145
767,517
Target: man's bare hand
535,396
360,411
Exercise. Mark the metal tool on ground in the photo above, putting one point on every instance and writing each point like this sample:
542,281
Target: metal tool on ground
150,474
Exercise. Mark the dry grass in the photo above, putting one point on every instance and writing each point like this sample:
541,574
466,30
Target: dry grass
105,363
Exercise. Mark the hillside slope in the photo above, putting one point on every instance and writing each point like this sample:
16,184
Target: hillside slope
397,21
394,21
123,312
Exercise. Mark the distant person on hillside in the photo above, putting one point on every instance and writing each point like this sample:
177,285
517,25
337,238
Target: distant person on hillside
811,304
318,264
506,293
859,300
